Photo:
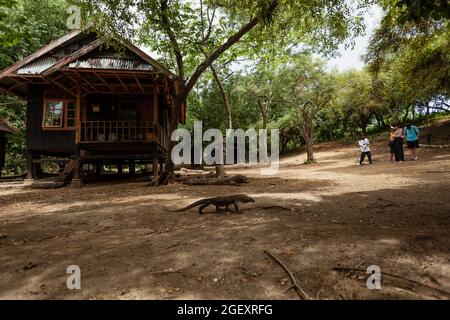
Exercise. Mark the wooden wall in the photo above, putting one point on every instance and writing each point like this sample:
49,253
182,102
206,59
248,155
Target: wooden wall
45,141
113,107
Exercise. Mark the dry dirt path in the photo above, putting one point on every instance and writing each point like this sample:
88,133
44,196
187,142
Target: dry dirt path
130,244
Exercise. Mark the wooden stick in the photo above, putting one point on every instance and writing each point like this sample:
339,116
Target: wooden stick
172,246
275,206
301,293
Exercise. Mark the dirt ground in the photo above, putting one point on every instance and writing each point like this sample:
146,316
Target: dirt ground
130,244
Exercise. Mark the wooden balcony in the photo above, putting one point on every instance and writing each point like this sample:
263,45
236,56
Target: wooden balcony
122,132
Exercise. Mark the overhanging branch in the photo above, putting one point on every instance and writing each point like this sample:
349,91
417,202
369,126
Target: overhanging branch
216,54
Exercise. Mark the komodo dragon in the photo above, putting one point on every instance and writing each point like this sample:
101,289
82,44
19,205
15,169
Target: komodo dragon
222,201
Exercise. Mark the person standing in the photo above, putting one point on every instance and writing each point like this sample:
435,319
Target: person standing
412,140
364,145
391,142
398,144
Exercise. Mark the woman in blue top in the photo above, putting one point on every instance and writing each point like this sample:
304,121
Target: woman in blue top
412,140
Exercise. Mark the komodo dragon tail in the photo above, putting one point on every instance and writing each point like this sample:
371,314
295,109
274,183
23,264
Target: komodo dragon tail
192,205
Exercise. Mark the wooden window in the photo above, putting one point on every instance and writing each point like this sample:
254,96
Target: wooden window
53,114
59,114
71,114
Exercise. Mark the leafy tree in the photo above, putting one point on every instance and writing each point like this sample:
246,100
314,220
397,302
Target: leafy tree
174,29
206,103
358,99
304,86
290,134
25,26
409,55
415,10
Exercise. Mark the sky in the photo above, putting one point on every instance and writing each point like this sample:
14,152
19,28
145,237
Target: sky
351,58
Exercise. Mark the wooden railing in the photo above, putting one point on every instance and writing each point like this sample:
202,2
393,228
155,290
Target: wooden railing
121,131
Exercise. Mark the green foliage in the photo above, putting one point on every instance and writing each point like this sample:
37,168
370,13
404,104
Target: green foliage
356,100
415,10
177,30
290,134
15,112
25,26
206,104
410,58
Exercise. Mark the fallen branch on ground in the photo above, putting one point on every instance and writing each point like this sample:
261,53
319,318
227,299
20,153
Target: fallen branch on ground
169,271
191,171
171,246
301,293
275,206
182,178
184,173
442,146
435,171
233,180
47,185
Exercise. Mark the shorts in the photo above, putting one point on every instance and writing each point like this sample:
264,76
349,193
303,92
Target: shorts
412,144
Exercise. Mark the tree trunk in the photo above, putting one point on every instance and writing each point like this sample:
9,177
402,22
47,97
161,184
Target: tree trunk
309,139
226,102
364,122
307,128
187,86
264,113
405,116
381,121
220,168
309,152
167,175
427,121
364,127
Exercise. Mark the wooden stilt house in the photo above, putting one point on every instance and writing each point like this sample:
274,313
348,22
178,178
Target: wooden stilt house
93,104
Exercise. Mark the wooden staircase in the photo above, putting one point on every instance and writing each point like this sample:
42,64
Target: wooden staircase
67,173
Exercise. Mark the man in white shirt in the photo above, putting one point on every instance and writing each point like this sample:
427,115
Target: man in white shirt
364,145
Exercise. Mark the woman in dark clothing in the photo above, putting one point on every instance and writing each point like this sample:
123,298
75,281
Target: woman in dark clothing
398,144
